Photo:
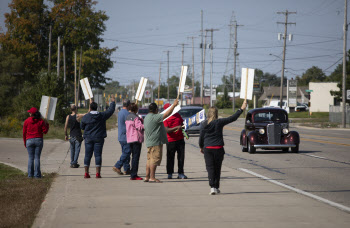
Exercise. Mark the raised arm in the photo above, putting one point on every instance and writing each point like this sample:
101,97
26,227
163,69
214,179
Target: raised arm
230,119
170,109
109,112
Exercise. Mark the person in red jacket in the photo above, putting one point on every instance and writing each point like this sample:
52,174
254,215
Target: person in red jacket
33,129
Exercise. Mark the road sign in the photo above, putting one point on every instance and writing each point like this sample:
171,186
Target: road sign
348,94
308,91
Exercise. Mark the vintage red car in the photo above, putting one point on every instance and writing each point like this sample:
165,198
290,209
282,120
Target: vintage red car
268,129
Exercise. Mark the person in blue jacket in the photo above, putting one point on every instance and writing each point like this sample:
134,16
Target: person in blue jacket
94,126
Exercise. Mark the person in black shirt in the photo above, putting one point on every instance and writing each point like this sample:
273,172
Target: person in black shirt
75,135
211,143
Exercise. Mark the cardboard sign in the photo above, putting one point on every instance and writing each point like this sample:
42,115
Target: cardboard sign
182,81
247,81
195,119
48,107
85,85
176,109
141,88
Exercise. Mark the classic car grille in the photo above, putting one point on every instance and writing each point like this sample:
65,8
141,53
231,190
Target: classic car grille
274,133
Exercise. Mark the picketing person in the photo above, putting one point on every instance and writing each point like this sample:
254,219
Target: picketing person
135,138
75,135
176,144
94,126
33,129
124,160
211,143
155,136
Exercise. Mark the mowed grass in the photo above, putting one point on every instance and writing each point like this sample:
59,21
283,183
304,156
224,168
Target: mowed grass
20,196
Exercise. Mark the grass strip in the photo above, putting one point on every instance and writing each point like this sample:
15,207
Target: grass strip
21,197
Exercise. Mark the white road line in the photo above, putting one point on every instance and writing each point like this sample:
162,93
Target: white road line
333,204
310,155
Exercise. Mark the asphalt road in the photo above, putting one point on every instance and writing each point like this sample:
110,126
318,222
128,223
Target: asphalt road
321,167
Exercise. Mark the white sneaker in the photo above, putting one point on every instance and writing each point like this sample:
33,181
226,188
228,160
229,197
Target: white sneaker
213,191
217,190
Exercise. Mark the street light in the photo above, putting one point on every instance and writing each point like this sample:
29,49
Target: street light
282,76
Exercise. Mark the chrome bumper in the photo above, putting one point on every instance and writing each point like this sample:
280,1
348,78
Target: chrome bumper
274,145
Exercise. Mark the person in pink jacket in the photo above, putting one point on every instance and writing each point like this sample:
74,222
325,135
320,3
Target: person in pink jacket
135,138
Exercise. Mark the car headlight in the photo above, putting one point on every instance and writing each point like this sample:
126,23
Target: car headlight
285,131
261,131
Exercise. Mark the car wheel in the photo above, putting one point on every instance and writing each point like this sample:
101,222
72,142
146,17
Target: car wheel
285,149
295,149
244,149
251,149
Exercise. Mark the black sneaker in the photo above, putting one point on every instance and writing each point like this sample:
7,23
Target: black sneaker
75,166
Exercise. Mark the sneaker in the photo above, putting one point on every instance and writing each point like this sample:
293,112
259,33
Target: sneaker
213,191
71,165
86,175
98,175
128,172
136,178
115,169
170,176
75,166
218,191
181,176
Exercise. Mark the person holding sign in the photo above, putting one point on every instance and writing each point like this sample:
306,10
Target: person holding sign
33,129
155,138
176,143
75,135
211,143
94,126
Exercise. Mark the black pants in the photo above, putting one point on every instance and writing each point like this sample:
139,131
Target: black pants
172,148
213,162
135,152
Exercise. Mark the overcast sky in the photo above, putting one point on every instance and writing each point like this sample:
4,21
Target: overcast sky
145,30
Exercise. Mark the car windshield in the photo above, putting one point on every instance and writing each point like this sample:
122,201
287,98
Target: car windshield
269,116
185,113
143,111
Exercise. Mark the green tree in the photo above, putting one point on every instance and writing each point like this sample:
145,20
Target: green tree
313,74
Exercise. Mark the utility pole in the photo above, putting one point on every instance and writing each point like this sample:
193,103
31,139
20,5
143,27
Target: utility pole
235,45
168,75
204,46
75,78
284,49
211,65
202,52
344,64
49,64
160,69
192,37
182,63
58,58
64,71
81,51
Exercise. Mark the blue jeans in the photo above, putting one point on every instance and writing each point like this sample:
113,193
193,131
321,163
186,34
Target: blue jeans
34,147
125,157
135,151
74,150
93,146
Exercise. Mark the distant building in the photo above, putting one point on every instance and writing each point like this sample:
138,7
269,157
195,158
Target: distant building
273,93
321,98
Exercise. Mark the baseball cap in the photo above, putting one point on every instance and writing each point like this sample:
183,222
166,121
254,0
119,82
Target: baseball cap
32,110
166,106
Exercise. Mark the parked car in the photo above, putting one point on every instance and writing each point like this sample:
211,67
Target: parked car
268,129
301,107
188,111
143,112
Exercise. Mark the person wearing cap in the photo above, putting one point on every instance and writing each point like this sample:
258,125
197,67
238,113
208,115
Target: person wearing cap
33,129
176,143
94,126
75,135
155,135
124,160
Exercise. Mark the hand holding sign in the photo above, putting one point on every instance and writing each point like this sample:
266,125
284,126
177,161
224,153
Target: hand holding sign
141,89
247,81
85,85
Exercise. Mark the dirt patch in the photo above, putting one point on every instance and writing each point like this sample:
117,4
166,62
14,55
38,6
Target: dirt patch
20,196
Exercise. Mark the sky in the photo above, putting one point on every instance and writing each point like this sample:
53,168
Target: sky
145,30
